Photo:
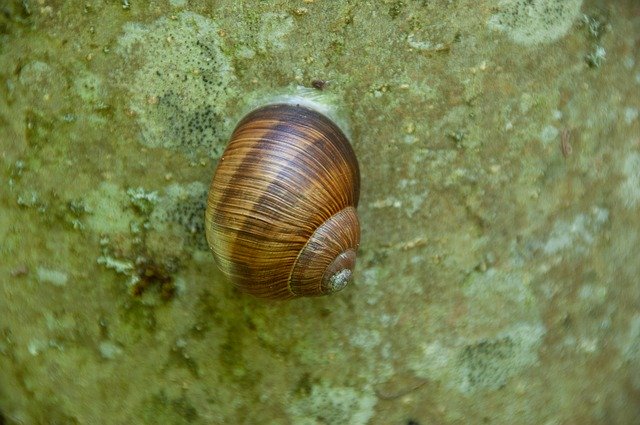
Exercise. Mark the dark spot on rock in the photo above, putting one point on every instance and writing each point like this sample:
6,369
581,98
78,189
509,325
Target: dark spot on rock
319,84
152,274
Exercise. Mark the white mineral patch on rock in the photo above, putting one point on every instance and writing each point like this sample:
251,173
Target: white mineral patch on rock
54,277
109,350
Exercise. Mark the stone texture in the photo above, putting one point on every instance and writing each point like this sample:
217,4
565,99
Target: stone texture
498,276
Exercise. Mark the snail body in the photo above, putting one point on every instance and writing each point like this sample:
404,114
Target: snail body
281,215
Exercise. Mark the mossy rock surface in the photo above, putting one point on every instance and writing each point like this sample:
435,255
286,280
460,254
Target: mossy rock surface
497,278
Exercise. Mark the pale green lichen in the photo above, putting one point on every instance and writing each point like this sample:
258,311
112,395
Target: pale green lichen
184,205
118,265
487,363
109,207
535,21
510,289
37,72
331,405
493,344
629,191
143,201
630,348
596,57
180,90
91,88
577,234
274,27
109,350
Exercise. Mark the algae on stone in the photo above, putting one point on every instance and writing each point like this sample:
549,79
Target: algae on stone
497,274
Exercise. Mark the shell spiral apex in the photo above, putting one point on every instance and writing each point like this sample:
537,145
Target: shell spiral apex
281,215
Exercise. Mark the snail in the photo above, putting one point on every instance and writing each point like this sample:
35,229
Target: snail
281,215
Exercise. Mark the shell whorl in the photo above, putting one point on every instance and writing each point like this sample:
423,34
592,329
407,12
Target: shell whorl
280,216
330,253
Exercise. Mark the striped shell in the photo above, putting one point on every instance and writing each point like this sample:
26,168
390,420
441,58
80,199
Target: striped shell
281,213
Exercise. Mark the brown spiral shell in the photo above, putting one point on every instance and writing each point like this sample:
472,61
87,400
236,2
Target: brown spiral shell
281,213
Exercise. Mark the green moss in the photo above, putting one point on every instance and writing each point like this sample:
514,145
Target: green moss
396,8
39,129
208,315
231,355
139,316
179,356
160,407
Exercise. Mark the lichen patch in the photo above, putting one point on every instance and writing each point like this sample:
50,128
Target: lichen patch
180,80
532,22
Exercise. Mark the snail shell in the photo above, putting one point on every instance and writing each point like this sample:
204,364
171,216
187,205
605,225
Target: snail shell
281,212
